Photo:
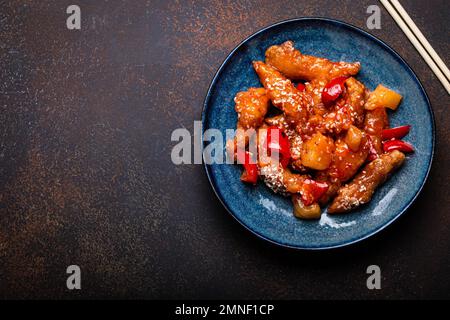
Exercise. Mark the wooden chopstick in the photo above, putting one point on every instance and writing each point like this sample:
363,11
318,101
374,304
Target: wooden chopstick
424,48
421,38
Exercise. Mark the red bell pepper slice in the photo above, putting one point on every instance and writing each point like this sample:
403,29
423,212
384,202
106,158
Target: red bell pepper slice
373,154
278,142
395,133
399,145
333,90
313,191
250,174
301,86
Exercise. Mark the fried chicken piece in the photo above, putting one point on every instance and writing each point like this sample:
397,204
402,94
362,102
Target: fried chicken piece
314,88
360,190
347,162
282,180
316,119
300,187
355,97
375,121
348,109
283,94
280,122
297,66
251,106
344,166
338,120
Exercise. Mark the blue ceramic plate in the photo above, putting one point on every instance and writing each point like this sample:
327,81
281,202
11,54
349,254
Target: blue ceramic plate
269,215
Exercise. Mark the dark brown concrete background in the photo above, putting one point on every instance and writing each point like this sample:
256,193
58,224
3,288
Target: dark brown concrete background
86,176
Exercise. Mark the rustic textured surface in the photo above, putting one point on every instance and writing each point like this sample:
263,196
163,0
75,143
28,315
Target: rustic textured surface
86,176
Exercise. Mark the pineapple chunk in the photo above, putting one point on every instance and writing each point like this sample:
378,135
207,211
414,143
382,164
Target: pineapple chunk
353,138
317,152
305,212
383,97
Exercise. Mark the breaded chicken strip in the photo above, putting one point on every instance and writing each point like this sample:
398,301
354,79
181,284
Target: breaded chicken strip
348,110
298,66
314,88
344,166
355,97
251,107
360,190
283,94
375,121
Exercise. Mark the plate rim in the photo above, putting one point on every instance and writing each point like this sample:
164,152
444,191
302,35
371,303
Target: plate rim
373,38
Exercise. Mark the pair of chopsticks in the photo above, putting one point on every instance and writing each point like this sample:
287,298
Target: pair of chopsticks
421,44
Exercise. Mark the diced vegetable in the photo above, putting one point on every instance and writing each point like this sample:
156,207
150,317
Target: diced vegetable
333,90
250,174
395,133
373,153
305,212
301,86
312,191
383,97
278,142
353,138
399,145
317,152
